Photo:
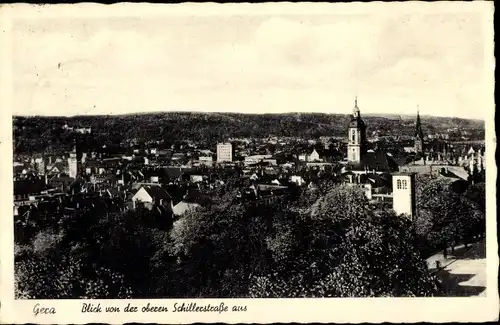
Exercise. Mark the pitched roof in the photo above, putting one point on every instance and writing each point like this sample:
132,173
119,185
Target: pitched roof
175,172
111,162
376,179
456,184
378,161
157,192
61,179
323,152
457,172
59,165
403,159
182,207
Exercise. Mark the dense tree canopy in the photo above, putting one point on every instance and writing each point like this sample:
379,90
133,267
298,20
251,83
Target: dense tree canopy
92,254
336,247
217,247
447,216
341,248
328,242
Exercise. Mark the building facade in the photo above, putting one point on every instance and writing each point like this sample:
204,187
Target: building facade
403,194
255,159
224,152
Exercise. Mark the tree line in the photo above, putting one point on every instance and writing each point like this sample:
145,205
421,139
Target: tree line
34,134
328,241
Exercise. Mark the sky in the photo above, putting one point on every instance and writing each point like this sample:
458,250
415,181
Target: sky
253,62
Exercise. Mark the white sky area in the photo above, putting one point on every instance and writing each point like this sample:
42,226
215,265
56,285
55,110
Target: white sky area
254,62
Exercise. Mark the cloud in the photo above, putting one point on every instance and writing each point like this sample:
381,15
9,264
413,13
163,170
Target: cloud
290,63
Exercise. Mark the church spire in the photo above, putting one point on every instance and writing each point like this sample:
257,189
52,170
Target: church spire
418,127
355,111
419,136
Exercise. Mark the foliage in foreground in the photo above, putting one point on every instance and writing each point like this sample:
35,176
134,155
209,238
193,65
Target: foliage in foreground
326,243
447,216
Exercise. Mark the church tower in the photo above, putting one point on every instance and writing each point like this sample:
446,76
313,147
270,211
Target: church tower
419,136
356,145
73,163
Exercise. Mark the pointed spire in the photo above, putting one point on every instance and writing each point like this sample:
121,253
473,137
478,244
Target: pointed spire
418,127
355,112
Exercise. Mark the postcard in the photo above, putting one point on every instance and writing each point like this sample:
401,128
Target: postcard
248,163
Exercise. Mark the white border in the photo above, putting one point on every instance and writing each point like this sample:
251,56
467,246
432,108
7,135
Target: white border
259,310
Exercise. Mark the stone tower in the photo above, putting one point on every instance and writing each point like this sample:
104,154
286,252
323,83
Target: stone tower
356,145
73,163
403,191
419,136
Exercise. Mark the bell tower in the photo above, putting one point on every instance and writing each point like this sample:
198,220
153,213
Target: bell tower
356,143
73,163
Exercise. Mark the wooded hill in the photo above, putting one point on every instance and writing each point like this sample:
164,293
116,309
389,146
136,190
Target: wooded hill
39,132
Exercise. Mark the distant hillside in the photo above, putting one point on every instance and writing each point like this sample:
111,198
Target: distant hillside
40,132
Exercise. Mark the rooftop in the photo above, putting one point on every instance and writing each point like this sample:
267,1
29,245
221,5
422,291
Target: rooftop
404,173
378,161
157,192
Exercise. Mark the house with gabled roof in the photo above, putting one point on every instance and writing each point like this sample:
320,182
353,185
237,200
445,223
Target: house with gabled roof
193,200
57,168
62,181
150,196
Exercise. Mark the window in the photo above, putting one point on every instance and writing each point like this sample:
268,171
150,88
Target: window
353,136
398,184
404,184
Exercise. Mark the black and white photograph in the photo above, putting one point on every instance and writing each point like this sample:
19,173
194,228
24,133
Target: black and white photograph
257,154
